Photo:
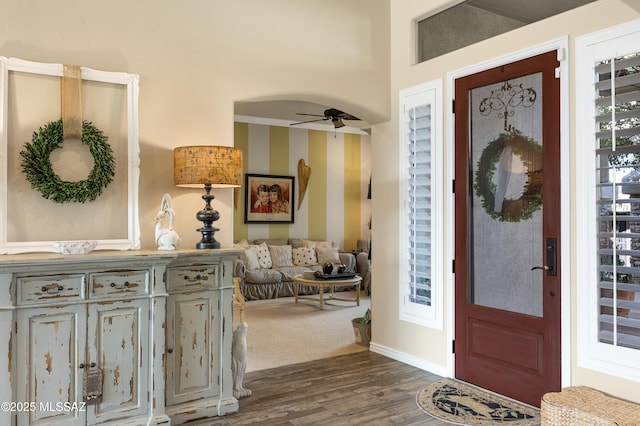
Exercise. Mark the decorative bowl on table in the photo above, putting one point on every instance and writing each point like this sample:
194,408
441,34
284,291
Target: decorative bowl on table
74,247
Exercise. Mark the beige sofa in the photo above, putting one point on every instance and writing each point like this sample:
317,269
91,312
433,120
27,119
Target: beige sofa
268,266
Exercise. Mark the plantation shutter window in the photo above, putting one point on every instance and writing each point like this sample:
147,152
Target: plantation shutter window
418,139
617,102
421,231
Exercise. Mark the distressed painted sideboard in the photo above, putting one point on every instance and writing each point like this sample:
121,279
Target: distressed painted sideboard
135,337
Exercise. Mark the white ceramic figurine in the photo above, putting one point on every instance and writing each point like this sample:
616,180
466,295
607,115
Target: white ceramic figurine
166,237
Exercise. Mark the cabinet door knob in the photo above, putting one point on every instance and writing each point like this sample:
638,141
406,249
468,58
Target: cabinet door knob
170,351
81,366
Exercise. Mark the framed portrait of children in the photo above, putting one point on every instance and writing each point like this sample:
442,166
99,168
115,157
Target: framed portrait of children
268,199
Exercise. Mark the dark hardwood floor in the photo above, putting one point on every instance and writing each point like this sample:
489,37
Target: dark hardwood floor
362,388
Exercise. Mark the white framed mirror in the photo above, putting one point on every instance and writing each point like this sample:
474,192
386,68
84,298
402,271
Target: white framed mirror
31,98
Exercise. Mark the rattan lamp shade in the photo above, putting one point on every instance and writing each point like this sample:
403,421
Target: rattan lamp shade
218,166
208,167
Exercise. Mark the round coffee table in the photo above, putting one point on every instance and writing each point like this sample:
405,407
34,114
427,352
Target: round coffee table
331,284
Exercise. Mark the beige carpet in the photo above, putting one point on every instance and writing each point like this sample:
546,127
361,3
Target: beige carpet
282,332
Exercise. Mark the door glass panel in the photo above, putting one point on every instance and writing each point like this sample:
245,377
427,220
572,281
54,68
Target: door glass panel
506,199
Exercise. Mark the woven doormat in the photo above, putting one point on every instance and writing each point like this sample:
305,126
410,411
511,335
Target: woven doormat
457,402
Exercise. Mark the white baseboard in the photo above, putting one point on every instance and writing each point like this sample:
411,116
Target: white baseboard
440,370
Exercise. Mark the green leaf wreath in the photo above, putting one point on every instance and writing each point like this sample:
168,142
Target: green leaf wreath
531,199
36,164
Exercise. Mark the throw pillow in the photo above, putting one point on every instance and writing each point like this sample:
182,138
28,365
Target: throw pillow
251,259
304,256
281,256
244,244
295,242
310,243
264,258
327,255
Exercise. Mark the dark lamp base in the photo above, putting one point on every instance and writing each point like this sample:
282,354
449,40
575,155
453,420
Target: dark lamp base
208,240
206,246
207,216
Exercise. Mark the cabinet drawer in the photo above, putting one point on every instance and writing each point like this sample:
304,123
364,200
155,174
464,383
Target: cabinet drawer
119,283
192,277
50,288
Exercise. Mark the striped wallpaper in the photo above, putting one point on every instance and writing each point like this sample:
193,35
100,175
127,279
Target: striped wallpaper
335,206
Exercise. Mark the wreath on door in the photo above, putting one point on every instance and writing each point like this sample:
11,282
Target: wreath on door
530,153
37,167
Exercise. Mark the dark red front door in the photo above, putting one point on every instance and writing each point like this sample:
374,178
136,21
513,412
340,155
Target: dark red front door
507,226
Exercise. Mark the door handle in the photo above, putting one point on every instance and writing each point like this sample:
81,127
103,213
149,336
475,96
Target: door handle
550,246
551,258
544,268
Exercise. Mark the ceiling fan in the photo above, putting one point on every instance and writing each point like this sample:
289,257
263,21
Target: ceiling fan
335,115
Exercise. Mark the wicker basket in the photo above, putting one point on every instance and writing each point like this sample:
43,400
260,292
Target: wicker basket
580,405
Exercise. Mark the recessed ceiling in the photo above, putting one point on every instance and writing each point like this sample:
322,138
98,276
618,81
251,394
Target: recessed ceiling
288,112
280,110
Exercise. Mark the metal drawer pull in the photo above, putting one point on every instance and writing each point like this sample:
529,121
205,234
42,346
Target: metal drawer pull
120,286
52,288
196,278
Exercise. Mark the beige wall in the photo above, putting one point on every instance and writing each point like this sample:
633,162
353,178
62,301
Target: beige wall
196,58
419,344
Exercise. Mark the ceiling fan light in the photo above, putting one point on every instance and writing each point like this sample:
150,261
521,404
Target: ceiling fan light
337,122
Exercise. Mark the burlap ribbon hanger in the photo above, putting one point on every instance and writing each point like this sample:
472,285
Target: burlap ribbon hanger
71,102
